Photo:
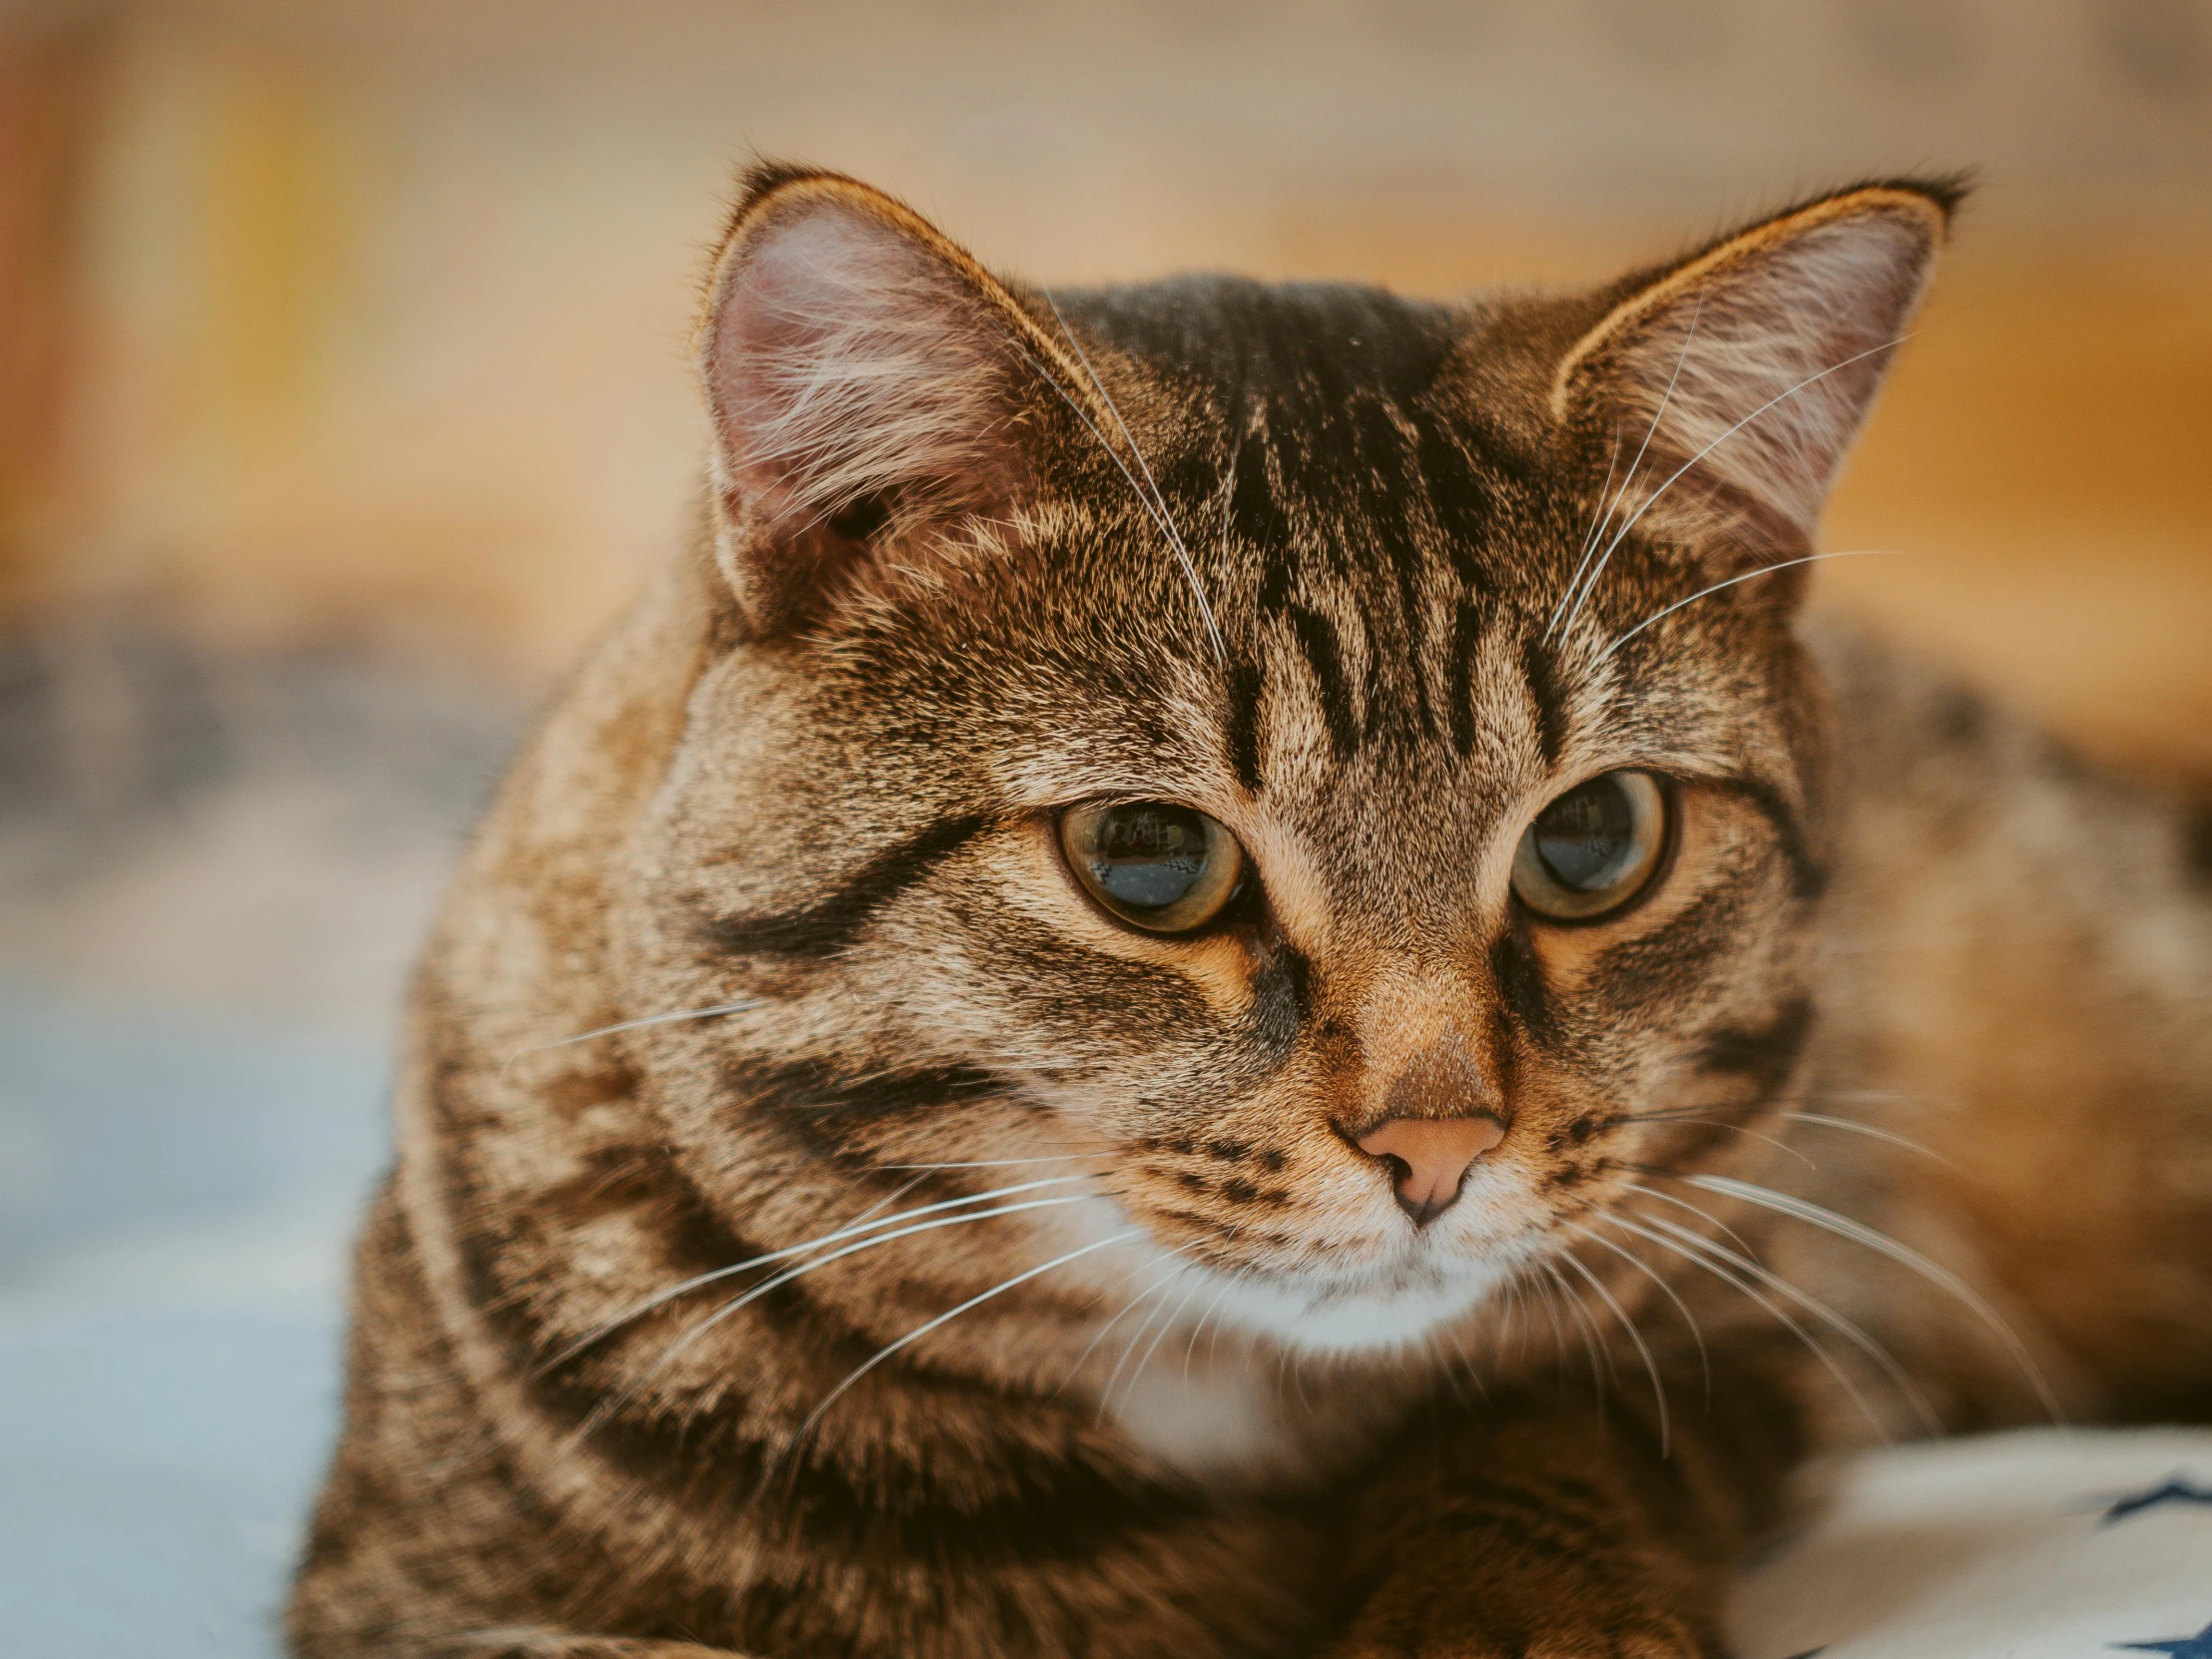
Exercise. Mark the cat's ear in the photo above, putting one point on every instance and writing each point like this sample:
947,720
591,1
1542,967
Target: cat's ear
868,382
1752,363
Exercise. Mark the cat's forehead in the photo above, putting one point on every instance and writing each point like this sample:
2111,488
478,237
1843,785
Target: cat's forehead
1338,565
1301,347
1340,655
1341,459
1326,431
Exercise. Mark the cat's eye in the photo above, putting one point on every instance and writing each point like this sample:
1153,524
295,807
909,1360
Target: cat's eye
1594,849
1159,867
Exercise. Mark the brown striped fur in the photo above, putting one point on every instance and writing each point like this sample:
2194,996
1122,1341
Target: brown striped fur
1227,1399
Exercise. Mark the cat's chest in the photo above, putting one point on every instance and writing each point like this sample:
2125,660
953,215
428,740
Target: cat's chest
1252,1424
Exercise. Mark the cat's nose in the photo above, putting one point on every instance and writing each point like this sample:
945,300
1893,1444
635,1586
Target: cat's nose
1436,1117
1430,1157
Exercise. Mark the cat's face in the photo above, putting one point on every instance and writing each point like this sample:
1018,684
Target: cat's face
1291,845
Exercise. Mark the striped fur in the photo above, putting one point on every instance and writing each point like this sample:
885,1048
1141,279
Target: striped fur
1074,1323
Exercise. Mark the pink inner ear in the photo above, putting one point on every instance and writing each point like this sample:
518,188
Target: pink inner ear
847,365
1758,378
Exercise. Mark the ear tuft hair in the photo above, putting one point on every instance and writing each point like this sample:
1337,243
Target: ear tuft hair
1752,362
864,380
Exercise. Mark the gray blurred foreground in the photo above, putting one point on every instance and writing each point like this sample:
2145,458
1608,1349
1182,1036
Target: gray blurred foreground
213,870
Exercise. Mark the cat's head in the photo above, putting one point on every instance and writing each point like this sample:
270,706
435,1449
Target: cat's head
1321,782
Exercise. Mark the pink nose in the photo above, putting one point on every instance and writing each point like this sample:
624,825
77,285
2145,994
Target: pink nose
1430,1157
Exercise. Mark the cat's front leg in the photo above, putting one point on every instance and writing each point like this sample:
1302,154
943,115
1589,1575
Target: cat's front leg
547,1644
1559,1533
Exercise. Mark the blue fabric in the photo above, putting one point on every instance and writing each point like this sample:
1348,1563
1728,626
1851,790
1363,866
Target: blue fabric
174,1212
154,1467
2198,1646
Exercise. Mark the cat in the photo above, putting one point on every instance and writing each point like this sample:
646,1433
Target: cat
1222,976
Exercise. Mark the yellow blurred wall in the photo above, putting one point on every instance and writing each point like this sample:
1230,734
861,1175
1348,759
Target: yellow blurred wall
361,317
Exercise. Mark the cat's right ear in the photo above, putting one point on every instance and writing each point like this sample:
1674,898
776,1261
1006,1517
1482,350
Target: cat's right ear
870,385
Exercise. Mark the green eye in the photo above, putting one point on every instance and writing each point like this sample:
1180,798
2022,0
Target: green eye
1160,866
1594,849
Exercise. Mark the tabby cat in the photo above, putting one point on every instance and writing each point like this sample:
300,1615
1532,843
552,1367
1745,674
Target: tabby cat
1221,977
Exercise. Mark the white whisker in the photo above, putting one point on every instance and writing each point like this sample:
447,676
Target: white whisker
941,1319
713,1013
1708,1251
887,1201
1815,1214
1643,1350
1675,476
1850,1330
1868,1129
1467,1364
1763,570
849,1230
1190,1348
1166,519
1001,1163
1591,1343
1159,1288
1127,1307
732,1305
1657,415
1706,1216
1508,1319
1645,1267
1441,1363
1558,1331
1166,1326
1698,1258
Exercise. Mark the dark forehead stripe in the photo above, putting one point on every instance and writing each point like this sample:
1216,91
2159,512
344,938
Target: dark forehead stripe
1548,695
1317,640
1466,634
1241,721
1323,390
1352,487
1301,350
830,923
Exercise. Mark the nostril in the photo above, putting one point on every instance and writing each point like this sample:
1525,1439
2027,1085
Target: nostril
1428,1158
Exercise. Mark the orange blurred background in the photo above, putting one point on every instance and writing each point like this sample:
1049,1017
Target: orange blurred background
361,321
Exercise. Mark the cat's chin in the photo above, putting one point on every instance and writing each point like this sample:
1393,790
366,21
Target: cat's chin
1396,1308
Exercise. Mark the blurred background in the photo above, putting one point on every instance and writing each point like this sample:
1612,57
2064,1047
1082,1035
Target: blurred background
343,393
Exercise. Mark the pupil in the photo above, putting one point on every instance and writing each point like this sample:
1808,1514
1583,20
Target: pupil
1149,857
1585,837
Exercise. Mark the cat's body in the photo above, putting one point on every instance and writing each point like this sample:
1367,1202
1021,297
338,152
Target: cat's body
1148,1362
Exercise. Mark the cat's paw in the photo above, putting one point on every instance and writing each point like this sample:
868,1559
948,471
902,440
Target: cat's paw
1557,1645
1472,1627
1561,1643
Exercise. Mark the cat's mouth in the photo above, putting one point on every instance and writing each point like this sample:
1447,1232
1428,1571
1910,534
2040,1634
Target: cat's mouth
1391,1288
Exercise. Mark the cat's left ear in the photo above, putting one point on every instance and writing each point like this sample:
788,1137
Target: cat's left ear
870,385
1752,363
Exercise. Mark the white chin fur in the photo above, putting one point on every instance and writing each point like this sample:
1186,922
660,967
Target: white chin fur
1369,1308
1206,1409
1335,1317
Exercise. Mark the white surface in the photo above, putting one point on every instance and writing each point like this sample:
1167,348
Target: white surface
1995,1548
